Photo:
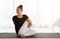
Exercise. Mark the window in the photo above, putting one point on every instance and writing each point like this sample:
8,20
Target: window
43,13
6,13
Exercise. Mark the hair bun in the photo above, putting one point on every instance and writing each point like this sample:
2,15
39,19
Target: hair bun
21,6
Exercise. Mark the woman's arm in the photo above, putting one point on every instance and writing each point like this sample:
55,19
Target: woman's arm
29,22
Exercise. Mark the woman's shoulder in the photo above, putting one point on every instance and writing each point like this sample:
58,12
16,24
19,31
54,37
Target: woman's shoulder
14,16
25,15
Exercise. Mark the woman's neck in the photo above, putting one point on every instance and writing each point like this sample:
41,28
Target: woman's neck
19,16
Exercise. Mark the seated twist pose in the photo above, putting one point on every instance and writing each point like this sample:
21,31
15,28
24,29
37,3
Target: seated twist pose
22,23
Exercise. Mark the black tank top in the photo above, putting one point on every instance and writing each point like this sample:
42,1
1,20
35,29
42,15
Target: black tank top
18,22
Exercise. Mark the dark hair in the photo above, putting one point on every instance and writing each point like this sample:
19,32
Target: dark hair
21,7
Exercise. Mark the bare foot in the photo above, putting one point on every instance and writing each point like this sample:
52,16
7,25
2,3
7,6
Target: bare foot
23,36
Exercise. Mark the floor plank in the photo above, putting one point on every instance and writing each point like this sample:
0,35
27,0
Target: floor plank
40,35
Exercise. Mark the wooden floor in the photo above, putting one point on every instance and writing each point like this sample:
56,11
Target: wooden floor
40,35
29,38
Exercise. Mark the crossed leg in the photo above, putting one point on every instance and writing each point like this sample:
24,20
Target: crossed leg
25,31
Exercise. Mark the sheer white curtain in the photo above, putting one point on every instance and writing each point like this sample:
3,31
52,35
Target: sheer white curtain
6,13
41,12
49,11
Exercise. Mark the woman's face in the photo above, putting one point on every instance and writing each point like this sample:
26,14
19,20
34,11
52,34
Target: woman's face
19,11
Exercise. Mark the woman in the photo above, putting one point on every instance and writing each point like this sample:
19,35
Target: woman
22,23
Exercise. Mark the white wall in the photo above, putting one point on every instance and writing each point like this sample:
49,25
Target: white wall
43,14
6,13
